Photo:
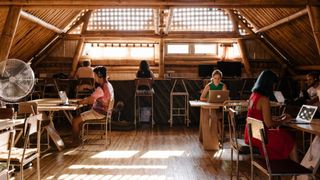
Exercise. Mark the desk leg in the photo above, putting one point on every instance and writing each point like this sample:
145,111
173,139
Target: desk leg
69,116
54,134
312,158
209,130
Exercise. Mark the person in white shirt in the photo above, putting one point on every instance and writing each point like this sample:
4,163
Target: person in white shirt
86,71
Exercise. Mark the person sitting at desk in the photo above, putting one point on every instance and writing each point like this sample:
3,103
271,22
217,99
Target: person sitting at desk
100,99
281,144
215,84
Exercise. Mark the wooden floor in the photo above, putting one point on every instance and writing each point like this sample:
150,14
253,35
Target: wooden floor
161,153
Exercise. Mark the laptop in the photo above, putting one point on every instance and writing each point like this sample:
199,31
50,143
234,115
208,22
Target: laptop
218,96
305,114
64,98
279,96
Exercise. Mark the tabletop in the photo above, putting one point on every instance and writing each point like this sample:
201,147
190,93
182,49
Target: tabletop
8,123
53,104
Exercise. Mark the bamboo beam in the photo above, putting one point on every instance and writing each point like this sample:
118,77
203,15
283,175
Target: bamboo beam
156,21
55,42
168,21
161,58
41,22
234,21
216,3
150,34
80,45
267,48
284,20
308,68
244,56
76,57
314,16
8,32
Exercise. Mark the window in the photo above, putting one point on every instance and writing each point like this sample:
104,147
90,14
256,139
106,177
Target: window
200,19
177,49
206,49
119,19
119,51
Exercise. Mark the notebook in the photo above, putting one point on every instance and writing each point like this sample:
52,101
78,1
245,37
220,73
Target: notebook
279,96
218,96
305,114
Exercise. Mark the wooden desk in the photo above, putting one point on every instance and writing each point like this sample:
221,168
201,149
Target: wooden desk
312,157
51,105
10,123
208,129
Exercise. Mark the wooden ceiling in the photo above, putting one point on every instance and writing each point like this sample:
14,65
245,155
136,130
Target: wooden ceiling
284,24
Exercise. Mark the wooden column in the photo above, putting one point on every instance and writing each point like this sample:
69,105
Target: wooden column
77,56
80,45
161,59
314,16
8,32
244,58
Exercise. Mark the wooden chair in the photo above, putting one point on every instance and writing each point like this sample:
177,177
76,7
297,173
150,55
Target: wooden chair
22,156
6,143
240,106
143,89
31,108
103,123
272,168
237,145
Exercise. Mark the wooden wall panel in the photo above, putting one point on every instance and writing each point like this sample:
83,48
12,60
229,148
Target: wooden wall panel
66,49
3,16
297,40
261,17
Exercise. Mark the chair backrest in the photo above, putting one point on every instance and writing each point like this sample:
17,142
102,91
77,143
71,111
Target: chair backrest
232,127
28,108
6,143
110,108
257,130
89,81
145,82
33,124
6,113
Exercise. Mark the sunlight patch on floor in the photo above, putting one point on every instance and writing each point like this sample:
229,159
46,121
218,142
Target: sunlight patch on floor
161,154
115,154
118,167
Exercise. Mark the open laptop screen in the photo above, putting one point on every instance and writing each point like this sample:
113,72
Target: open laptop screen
306,113
63,96
279,96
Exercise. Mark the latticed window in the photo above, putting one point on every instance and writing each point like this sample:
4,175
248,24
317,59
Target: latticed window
121,19
200,19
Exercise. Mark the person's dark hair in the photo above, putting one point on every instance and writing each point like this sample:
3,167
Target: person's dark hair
100,71
86,63
144,70
265,82
314,75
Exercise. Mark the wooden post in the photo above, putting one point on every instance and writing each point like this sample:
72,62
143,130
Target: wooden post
314,16
244,58
161,59
8,32
80,45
